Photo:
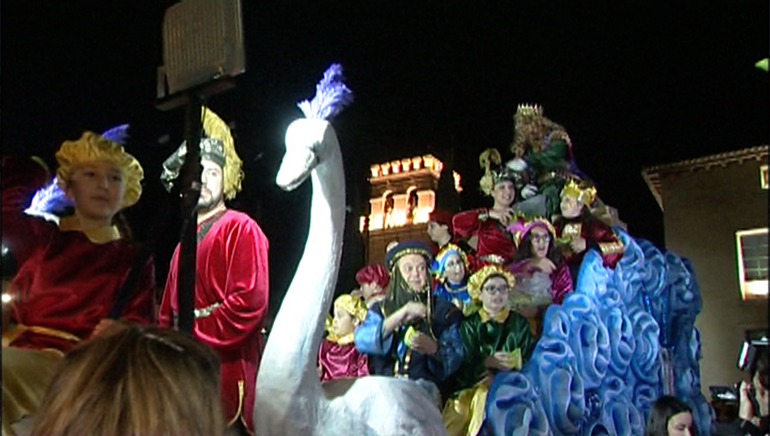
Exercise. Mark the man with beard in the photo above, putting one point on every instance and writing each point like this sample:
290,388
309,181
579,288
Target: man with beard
231,286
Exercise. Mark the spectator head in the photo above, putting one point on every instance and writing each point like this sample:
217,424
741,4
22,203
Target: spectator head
670,416
134,381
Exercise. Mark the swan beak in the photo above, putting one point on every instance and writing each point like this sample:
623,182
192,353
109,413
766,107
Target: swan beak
295,168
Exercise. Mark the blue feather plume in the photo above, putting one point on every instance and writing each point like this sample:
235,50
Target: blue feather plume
331,96
48,201
117,134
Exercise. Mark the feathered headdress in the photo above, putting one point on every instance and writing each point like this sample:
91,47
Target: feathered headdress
48,202
331,96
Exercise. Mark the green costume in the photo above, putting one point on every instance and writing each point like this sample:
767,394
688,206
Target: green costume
482,339
483,336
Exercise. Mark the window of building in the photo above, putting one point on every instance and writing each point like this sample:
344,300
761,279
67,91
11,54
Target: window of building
752,262
763,181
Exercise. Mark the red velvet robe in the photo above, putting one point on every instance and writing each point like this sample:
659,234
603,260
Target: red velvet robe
597,235
64,281
493,239
340,360
232,271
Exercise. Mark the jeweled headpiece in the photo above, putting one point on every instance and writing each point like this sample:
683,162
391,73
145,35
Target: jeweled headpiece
217,146
407,247
583,190
478,279
528,110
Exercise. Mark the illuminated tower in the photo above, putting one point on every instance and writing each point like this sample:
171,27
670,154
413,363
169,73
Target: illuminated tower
403,194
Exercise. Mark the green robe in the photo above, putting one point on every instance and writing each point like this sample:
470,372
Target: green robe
483,339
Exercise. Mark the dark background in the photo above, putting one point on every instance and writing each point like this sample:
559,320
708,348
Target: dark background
635,84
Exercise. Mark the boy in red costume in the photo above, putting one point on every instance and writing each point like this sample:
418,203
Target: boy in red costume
70,271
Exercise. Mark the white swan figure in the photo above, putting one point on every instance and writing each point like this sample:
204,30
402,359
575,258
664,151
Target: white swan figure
290,399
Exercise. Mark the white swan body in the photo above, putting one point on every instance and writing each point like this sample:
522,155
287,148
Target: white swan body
290,398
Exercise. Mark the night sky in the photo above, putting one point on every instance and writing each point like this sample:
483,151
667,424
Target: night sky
635,84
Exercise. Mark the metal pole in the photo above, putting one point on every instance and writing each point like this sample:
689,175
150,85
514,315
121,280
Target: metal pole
190,189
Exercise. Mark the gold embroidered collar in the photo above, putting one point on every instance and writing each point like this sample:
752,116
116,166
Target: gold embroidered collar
344,340
101,235
499,318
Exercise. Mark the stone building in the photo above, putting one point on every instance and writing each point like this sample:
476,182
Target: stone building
403,194
715,213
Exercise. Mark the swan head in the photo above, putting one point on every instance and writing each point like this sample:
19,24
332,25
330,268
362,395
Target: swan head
305,143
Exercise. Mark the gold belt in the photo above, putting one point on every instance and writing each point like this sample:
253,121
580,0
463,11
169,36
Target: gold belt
46,331
494,258
206,311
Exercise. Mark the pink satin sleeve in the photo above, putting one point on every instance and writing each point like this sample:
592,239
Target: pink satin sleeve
339,361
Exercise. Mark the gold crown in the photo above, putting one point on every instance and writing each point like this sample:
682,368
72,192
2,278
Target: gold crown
529,110
583,190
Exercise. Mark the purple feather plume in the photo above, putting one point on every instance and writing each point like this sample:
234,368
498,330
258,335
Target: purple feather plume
331,96
48,201
117,134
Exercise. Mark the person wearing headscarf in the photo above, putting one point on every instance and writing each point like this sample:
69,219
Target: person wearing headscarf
338,356
494,339
450,269
232,283
70,269
373,281
410,333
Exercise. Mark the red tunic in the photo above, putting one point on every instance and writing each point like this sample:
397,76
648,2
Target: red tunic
493,239
232,286
597,235
64,281
341,360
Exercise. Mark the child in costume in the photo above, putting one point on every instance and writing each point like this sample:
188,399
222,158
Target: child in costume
450,268
542,275
69,273
578,230
373,280
494,339
338,356
440,231
493,242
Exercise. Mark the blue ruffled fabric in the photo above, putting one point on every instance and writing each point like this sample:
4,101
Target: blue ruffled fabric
598,365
